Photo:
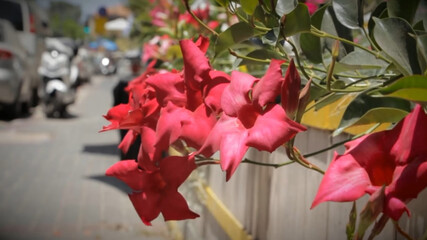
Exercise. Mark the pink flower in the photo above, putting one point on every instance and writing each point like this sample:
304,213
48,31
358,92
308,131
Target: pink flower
396,159
180,123
250,121
311,7
156,192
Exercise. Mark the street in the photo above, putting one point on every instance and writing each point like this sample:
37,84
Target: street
52,175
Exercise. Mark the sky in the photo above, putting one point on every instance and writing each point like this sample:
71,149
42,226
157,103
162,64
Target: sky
88,6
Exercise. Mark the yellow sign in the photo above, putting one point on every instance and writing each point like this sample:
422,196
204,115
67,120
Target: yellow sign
99,24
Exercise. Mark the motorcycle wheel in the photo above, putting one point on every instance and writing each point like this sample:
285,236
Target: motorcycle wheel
49,110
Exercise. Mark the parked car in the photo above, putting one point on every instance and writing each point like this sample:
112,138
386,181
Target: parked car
31,24
15,83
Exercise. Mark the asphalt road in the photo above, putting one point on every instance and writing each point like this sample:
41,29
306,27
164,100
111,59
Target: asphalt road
52,183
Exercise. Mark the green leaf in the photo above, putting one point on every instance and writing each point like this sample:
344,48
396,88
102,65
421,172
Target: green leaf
249,6
223,3
370,212
310,44
285,6
263,54
419,26
393,36
269,20
329,26
351,225
349,13
297,21
413,88
235,34
359,60
365,109
422,52
379,12
403,8
364,59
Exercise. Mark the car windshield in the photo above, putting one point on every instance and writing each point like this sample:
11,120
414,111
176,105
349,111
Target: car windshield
11,11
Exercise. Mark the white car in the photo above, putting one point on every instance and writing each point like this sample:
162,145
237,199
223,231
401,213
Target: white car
30,22
15,82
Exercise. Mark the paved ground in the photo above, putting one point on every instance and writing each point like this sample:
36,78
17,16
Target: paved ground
52,183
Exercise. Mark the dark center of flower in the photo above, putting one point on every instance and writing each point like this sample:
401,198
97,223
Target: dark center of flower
248,115
157,182
381,172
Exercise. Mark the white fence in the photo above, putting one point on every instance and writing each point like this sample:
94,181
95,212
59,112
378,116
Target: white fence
275,203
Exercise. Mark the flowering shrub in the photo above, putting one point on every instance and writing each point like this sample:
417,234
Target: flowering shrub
250,85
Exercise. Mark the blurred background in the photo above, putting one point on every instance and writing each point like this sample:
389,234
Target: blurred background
60,64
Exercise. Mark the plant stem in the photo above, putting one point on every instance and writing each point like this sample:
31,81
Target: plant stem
342,142
320,33
320,100
187,6
326,149
370,40
208,162
401,231
248,58
294,49
252,24
275,165
299,158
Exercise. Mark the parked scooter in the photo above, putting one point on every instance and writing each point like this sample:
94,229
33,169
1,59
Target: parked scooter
107,66
59,78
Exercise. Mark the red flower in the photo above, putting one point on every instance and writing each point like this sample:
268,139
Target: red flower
169,87
250,121
157,191
177,122
396,159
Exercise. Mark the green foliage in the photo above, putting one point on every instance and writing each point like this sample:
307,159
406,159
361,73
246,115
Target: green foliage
235,34
413,88
349,13
298,20
365,109
64,20
310,44
395,37
404,9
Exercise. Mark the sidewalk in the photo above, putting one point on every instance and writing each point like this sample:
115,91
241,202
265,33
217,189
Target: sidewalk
52,179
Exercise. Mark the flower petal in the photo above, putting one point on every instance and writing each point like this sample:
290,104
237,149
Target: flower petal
203,42
233,148
394,208
128,172
196,129
169,124
214,89
236,94
127,141
268,88
169,88
345,180
272,129
147,206
175,207
290,90
196,64
115,115
412,139
410,180
175,169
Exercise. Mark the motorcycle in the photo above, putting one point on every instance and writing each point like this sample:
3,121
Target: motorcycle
59,78
107,65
